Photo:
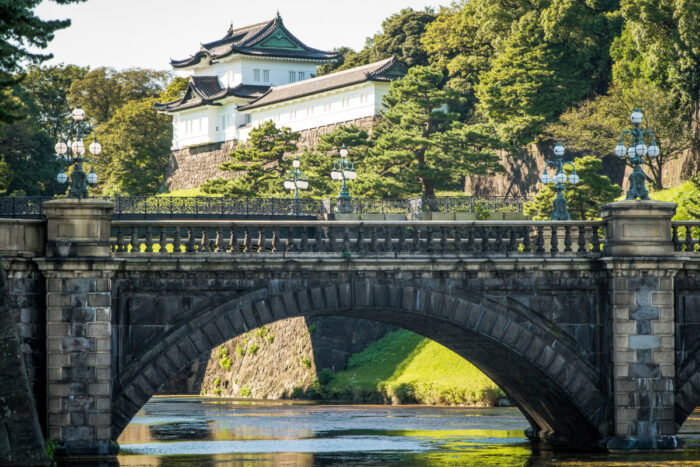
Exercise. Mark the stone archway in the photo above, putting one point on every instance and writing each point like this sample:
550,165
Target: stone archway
537,365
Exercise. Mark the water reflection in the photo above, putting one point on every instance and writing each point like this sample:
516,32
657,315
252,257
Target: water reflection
193,432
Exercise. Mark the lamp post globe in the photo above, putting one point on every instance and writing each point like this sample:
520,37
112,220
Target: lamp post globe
559,211
296,179
72,154
344,170
636,153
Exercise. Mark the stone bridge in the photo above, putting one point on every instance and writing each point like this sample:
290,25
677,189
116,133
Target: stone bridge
591,328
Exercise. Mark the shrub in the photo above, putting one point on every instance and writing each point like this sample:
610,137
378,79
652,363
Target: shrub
325,376
306,362
217,382
253,349
270,338
240,351
225,363
246,391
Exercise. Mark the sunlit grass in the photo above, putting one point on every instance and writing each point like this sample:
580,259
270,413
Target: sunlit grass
406,367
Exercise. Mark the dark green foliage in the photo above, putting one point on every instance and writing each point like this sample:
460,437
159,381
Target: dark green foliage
261,164
27,153
592,191
49,87
594,126
136,142
400,37
20,30
102,91
421,145
661,44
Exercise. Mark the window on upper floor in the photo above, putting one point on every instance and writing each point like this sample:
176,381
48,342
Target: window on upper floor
248,119
346,102
302,75
293,114
327,107
364,98
266,76
310,110
292,76
256,75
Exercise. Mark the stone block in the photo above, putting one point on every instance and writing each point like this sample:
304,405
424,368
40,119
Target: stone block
668,371
58,389
625,356
99,299
99,419
59,300
662,298
660,327
57,329
99,389
624,299
625,328
78,433
644,342
663,357
77,344
103,433
622,371
644,312
99,330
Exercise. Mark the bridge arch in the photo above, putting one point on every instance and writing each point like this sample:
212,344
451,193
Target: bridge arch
531,359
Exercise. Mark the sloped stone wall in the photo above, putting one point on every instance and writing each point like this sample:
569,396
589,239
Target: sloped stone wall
190,167
288,355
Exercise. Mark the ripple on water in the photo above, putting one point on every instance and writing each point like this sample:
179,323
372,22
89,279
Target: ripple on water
346,444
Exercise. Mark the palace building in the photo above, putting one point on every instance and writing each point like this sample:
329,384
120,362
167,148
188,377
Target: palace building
263,72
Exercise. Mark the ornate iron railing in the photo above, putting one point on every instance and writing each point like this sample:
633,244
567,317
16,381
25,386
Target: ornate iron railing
23,206
154,207
348,237
686,236
149,207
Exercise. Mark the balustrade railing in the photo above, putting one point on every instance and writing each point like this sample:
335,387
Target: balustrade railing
686,236
577,238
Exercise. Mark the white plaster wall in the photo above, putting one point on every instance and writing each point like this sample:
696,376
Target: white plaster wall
238,69
363,100
191,128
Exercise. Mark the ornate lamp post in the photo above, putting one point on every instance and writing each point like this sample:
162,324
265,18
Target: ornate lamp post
344,169
559,213
636,152
72,154
295,178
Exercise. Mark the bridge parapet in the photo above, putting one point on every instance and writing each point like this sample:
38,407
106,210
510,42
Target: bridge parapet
469,238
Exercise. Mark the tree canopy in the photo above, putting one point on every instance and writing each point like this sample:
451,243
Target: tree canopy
21,30
102,91
400,36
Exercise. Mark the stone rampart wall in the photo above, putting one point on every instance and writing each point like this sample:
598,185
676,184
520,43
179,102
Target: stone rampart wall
190,167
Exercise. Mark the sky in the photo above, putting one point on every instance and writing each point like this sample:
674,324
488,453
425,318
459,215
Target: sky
147,33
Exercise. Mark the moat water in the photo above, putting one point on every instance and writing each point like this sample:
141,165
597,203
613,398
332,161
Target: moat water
171,431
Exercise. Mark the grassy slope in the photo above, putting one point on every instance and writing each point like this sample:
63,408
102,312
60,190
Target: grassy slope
405,367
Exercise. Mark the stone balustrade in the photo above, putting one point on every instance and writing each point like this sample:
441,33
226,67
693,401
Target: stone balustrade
425,237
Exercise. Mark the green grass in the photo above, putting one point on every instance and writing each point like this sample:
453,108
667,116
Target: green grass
189,192
404,367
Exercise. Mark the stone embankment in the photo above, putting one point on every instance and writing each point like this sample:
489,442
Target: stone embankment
278,361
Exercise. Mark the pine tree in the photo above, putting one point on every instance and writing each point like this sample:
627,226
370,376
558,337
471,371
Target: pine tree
260,165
